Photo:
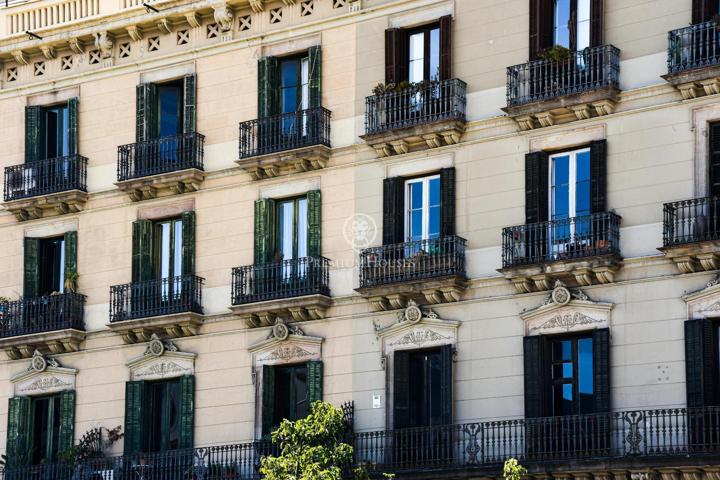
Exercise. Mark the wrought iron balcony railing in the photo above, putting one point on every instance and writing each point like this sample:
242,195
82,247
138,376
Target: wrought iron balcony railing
44,177
42,314
568,238
423,103
691,221
150,298
290,278
160,155
694,46
421,259
590,69
288,131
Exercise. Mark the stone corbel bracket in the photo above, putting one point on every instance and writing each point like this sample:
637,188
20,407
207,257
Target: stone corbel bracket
257,6
173,326
72,201
58,341
300,309
223,15
285,163
20,57
423,137
76,45
171,183
135,32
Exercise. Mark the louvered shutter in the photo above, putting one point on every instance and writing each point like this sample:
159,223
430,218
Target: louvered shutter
703,10
315,84
70,253
537,376
537,168
265,216
188,243
596,23
447,201
34,138
445,48
701,363
396,55
189,104
31,272
446,384
268,399
135,431
393,210
18,429
314,223
401,390
187,410
714,160
142,250
268,87
66,436
314,382
601,369
541,26
73,126
598,176
145,115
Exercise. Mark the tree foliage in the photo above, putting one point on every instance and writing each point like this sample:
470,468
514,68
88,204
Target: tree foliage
512,470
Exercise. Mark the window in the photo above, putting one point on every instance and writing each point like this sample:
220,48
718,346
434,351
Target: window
45,428
570,184
47,262
424,54
51,131
52,265
572,376
56,131
291,393
419,54
169,109
292,228
165,110
571,23
422,204
425,401
294,84
163,415
169,241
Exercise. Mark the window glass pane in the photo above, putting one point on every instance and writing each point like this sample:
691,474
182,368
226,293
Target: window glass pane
285,237
562,17
61,266
416,195
305,77
434,188
289,86
177,254
164,250
169,97
302,228
585,375
173,416
435,380
583,24
416,225
582,186
434,222
417,54
435,54
560,187
51,133
301,407
64,131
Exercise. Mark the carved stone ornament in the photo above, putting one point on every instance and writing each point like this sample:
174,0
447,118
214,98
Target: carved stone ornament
104,43
285,343
223,16
281,330
160,360
42,376
411,314
704,303
566,310
156,347
38,362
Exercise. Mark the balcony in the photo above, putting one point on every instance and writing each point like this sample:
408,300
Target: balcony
171,306
298,287
284,144
694,60
584,249
424,115
51,322
37,189
691,233
432,271
166,165
545,92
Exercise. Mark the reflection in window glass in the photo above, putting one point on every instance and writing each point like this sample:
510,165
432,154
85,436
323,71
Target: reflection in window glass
572,376
435,54
422,220
417,57
562,23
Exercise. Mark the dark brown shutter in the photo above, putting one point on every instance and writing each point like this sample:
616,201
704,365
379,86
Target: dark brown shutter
596,23
714,160
701,352
598,176
396,55
188,243
268,399
703,10
601,369
537,168
445,48
541,26
537,376
393,210
447,201
401,389
446,384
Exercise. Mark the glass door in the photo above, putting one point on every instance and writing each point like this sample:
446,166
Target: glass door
569,201
168,256
292,238
170,122
294,95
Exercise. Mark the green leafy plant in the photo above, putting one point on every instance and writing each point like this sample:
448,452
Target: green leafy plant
91,444
71,281
382,88
556,53
512,470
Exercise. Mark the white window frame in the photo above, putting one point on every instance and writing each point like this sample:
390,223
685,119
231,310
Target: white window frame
425,205
572,193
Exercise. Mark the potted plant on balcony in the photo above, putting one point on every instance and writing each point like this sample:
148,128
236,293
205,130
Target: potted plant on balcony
556,54
71,281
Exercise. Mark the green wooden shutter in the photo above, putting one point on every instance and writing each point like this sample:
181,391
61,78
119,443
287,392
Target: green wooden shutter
66,436
268,399
315,83
70,253
135,432
188,243
73,126
701,363
447,201
537,376
34,138
401,390
598,176
714,160
31,273
314,382
187,410
268,87
189,103
142,250
18,429
314,224
145,114
446,384
393,210
601,369
265,216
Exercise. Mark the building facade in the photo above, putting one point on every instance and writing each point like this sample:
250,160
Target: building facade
486,229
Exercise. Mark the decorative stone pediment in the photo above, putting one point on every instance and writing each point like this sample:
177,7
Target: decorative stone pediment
704,303
161,359
286,344
564,311
42,376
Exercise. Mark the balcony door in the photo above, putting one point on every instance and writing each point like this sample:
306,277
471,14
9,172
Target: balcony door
45,428
294,95
168,258
51,265
56,131
572,376
569,201
422,215
424,54
292,237
169,121
571,24
164,415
